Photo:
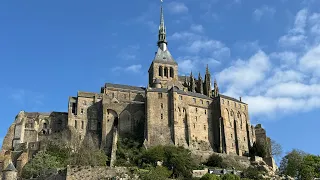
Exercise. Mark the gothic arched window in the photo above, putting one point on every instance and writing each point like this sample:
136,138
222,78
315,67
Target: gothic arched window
160,71
171,72
166,72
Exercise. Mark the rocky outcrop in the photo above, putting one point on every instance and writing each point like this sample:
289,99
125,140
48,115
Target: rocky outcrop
8,139
267,171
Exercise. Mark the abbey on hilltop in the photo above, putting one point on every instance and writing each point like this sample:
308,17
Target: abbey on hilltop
170,110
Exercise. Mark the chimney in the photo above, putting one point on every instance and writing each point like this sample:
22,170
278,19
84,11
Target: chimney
240,99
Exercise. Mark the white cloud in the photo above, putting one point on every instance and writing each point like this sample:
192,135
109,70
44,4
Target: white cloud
136,68
296,36
294,90
310,62
186,36
197,28
243,75
196,44
287,58
177,7
262,105
263,11
314,21
129,53
213,46
300,22
195,63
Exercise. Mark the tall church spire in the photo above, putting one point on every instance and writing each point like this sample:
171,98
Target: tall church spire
162,40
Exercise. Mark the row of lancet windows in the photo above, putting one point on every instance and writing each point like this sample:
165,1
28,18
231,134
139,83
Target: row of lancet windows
164,72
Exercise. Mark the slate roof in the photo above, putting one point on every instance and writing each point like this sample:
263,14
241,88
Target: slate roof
198,95
231,98
121,86
10,167
164,57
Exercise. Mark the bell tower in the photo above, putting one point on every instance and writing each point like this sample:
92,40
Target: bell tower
163,68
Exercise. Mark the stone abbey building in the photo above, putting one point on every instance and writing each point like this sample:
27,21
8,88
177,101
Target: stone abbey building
170,110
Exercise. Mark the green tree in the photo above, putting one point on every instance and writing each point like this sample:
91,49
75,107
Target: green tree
310,168
252,173
291,163
177,159
129,151
216,161
41,165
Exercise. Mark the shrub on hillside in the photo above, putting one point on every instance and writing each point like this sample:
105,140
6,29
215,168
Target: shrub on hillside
129,151
230,177
216,161
42,165
177,159
210,177
252,173
157,173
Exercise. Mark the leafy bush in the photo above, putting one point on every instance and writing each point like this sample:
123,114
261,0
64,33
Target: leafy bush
41,165
230,177
210,177
177,159
57,155
157,173
216,161
129,152
252,173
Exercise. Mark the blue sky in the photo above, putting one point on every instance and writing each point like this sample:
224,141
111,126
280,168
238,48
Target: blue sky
268,52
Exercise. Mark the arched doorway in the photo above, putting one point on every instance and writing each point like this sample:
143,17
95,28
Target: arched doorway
112,118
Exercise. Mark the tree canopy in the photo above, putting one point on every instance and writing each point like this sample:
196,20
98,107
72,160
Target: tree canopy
301,165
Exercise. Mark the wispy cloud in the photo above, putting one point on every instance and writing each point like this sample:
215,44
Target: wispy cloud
296,35
129,53
280,82
195,63
24,97
177,7
196,43
263,11
198,28
135,68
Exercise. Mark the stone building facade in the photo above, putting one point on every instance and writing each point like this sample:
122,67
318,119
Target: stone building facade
170,110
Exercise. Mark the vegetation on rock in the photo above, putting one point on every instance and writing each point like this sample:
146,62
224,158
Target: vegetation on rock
56,155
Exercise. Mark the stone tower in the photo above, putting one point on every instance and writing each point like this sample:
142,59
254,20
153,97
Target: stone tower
163,67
